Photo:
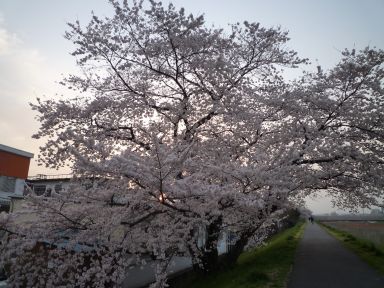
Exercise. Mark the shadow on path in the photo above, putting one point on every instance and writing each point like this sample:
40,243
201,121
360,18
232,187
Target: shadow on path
323,262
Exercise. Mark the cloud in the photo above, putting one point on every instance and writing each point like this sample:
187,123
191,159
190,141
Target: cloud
25,75
7,40
4,41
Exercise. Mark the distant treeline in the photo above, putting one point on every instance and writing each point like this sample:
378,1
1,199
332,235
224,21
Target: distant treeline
351,217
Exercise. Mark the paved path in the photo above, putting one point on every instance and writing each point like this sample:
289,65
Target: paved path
322,262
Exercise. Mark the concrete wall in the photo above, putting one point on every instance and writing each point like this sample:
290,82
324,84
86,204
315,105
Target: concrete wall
19,187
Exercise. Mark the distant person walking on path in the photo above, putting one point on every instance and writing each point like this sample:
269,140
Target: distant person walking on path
310,219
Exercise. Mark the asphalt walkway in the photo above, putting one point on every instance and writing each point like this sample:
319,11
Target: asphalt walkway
323,262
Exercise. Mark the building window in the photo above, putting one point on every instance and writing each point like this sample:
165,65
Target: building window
4,206
7,184
39,189
58,188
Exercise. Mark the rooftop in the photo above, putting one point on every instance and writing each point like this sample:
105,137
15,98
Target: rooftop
15,151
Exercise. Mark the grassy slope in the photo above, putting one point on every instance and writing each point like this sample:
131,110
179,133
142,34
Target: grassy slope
366,250
268,266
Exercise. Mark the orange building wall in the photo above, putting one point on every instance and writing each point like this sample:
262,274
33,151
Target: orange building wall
13,165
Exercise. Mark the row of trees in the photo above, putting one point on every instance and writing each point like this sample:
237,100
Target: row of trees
184,127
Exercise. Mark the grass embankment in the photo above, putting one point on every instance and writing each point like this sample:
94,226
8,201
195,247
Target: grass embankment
266,266
365,249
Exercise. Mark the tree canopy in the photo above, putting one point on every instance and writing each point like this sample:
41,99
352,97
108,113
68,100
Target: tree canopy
181,127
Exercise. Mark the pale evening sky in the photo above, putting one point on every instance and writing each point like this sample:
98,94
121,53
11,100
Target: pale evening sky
34,55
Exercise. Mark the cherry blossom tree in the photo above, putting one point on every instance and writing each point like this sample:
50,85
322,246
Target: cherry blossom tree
180,130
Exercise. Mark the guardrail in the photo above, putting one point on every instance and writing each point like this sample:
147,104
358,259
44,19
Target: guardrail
50,177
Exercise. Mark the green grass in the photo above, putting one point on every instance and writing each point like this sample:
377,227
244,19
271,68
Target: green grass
267,266
365,249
